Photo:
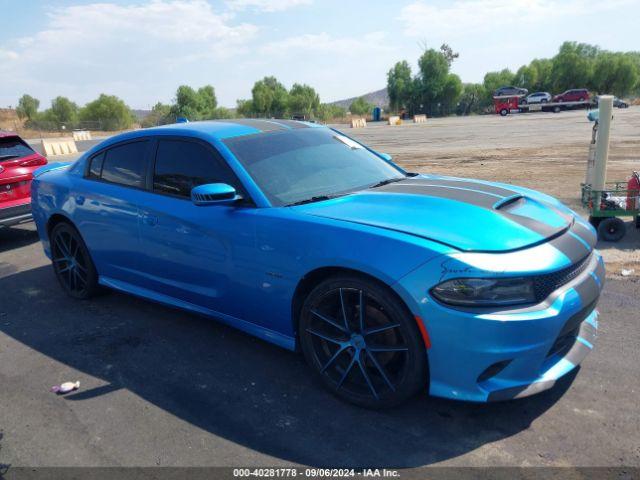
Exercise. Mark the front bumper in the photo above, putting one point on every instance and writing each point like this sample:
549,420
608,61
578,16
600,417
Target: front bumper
494,355
14,215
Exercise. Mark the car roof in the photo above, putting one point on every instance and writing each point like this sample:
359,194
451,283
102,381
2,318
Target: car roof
221,129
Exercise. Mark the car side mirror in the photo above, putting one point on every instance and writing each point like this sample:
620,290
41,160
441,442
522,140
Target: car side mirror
214,194
386,156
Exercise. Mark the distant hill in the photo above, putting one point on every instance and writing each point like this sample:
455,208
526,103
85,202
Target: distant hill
379,98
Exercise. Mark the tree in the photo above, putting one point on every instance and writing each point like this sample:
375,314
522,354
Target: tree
222,113
207,103
451,91
399,86
494,80
572,66
360,106
472,99
448,53
303,99
327,112
433,76
186,103
110,111
27,107
614,73
244,108
160,115
62,112
269,97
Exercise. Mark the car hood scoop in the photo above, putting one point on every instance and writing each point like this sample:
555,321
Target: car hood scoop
465,214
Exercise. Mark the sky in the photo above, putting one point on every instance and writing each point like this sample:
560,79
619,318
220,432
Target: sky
142,50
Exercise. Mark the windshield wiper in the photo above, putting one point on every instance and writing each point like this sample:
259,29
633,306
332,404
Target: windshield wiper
6,157
386,182
317,198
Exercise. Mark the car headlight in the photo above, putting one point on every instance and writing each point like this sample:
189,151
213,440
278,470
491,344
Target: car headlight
485,292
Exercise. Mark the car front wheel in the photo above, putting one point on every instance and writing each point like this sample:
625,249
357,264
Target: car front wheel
362,342
72,263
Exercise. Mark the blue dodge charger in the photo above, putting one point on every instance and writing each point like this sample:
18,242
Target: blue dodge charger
389,282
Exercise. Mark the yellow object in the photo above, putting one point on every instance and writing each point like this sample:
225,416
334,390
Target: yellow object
59,146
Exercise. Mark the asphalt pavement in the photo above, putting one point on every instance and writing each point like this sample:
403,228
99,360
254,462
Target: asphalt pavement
163,387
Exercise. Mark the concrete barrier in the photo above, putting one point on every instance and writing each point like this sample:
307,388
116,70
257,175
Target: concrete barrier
81,135
59,146
419,119
395,120
358,123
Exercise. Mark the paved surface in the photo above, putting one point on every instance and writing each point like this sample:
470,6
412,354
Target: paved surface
163,387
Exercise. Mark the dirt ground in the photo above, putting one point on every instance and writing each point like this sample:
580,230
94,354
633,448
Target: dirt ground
543,151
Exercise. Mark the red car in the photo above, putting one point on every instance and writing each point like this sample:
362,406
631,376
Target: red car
574,95
17,164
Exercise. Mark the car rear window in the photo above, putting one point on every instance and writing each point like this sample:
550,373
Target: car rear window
13,147
125,164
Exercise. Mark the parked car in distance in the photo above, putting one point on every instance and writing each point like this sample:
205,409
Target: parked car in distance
536,97
388,282
616,102
18,161
508,90
619,103
574,95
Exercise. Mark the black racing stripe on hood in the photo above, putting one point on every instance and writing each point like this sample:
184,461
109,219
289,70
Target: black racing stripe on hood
484,200
477,194
503,192
585,234
534,225
573,248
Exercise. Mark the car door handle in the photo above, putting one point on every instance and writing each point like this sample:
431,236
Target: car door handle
79,199
149,219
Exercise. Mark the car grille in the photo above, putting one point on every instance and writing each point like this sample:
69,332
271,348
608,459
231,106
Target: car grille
544,285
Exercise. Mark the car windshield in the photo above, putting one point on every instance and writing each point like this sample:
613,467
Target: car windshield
309,164
13,147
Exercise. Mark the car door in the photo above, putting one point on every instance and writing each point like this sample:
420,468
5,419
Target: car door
200,255
105,210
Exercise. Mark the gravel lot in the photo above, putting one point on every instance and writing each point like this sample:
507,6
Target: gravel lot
163,387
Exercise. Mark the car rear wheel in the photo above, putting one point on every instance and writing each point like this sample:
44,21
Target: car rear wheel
72,263
611,229
504,112
362,343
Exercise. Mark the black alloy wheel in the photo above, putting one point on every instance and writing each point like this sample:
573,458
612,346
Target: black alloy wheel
362,342
72,263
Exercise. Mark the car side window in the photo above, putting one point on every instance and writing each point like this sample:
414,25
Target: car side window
125,164
182,165
95,167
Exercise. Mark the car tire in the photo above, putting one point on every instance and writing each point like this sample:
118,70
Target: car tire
611,229
595,221
556,109
374,360
504,112
544,100
581,99
72,262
